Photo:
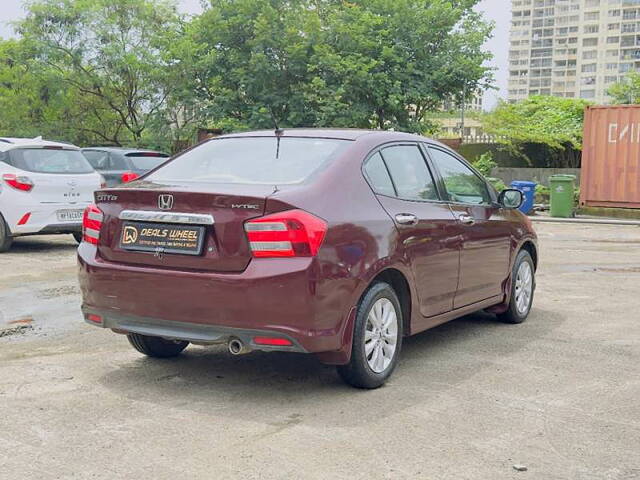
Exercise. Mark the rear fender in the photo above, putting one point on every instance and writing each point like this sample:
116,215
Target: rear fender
343,355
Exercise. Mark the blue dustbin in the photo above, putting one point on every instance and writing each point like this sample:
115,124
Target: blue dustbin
529,191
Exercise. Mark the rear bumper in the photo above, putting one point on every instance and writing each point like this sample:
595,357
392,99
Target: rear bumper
42,219
272,297
192,332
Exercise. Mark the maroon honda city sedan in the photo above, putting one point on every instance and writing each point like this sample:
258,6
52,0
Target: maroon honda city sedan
332,242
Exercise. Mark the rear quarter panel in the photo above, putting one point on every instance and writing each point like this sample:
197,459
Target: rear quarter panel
361,240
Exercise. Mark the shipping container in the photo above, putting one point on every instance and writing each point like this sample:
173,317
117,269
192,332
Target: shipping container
610,175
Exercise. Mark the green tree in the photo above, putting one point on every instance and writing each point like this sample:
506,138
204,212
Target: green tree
554,124
35,101
382,63
627,91
393,61
111,57
251,61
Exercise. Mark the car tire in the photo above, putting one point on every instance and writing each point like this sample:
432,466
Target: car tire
373,355
523,286
77,236
155,346
5,236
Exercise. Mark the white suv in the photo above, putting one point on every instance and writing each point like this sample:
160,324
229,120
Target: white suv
44,188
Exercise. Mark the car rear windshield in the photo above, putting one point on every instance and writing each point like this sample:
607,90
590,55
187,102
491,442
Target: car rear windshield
259,160
147,160
48,160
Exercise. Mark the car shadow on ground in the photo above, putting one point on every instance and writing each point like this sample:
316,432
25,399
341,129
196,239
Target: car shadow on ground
27,244
260,384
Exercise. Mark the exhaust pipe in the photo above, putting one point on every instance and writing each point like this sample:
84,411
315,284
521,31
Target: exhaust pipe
236,347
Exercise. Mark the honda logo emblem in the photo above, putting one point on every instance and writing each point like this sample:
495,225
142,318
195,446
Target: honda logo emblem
165,202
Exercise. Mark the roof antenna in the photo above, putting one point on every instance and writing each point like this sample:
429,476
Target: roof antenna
278,131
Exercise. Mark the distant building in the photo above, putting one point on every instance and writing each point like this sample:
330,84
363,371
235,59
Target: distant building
572,48
450,118
451,127
472,105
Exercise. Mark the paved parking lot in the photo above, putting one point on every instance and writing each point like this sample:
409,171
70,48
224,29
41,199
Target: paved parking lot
559,394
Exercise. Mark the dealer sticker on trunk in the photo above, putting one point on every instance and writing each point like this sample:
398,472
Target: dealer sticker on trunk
162,237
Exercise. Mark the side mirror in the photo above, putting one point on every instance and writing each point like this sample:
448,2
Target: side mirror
511,198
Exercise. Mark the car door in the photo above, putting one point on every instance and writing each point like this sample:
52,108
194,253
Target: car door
427,229
485,232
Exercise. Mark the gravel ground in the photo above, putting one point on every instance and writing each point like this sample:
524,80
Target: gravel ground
558,396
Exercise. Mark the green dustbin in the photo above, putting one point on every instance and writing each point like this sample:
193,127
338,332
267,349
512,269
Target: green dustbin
562,188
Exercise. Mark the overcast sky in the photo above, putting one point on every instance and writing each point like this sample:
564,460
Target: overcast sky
496,10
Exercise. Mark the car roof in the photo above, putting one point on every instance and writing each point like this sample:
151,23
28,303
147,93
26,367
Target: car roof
336,133
123,150
10,143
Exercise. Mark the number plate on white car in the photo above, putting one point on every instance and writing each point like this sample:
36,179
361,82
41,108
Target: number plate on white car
69,215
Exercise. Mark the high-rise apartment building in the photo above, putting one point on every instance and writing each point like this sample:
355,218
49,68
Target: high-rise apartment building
572,48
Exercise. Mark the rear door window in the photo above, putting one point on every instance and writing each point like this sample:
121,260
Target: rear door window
258,160
409,172
378,176
49,160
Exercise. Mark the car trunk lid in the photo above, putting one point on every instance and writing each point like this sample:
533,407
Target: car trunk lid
164,213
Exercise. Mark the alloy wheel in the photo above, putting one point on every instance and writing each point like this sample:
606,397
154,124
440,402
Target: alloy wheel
381,335
524,288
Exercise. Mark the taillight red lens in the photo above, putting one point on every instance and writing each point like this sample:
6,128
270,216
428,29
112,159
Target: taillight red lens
18,182
294,233
91,224
129,177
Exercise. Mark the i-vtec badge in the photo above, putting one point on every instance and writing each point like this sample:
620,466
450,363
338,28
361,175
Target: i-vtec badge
248,206
165,202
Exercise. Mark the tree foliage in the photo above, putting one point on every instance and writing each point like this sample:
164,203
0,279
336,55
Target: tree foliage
135,71
627,91
364,63
110,55
553,123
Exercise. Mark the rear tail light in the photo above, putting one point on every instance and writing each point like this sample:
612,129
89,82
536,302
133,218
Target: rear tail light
129,177
91,224
294,233
18,182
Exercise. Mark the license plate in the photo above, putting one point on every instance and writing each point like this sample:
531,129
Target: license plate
69,215
162,238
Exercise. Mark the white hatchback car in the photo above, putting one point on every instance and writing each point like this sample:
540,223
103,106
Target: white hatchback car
44,188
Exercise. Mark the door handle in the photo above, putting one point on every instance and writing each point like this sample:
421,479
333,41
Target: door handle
406,219
466,219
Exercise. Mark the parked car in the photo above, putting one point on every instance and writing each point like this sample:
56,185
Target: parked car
121,165
331,242
45,187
